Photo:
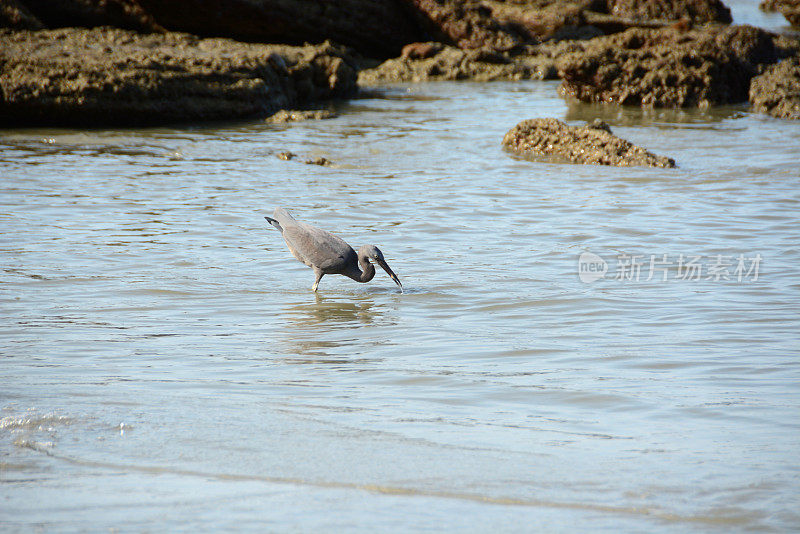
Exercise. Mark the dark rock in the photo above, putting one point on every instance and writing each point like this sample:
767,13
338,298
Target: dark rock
790,9
553,140
127,14
322,162
777,90
285,115
669,67
377,28
696,11
17,17
287,156
118,77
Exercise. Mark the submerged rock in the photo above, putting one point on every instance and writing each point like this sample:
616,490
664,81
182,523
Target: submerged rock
284,115
319,160
777,91
669,67
110,76
592,144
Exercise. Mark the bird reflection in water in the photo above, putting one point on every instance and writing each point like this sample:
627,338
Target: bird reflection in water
323,331
334,312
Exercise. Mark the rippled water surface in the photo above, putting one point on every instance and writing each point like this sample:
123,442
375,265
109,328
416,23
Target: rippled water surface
165,364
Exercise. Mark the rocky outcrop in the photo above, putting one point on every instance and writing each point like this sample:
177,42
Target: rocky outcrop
552,140
496,40
790,9
777,91
505,25
110,76
669,67
375,28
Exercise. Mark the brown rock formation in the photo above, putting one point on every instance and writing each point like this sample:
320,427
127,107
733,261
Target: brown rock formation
505,25
669,67
111,76
552,140
777,91
376,28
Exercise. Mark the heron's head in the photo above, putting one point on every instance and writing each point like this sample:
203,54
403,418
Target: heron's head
374,253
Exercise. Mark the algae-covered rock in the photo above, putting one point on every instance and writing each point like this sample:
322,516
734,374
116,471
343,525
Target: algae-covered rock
590,144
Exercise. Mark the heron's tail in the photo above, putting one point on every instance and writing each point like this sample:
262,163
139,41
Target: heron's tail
274,223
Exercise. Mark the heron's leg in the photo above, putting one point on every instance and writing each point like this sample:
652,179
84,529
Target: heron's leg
316,282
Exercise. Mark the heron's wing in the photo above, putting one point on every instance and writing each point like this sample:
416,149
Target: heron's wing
316,247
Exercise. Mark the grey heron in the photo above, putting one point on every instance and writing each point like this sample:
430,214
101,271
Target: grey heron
326,253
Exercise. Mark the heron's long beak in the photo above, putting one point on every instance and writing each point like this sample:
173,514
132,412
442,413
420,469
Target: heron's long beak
390,272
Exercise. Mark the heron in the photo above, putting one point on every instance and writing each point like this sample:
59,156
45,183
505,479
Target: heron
326,253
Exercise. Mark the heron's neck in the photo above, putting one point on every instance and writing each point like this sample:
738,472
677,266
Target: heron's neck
368,270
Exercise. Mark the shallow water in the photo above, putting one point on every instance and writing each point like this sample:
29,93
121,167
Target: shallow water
166,366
